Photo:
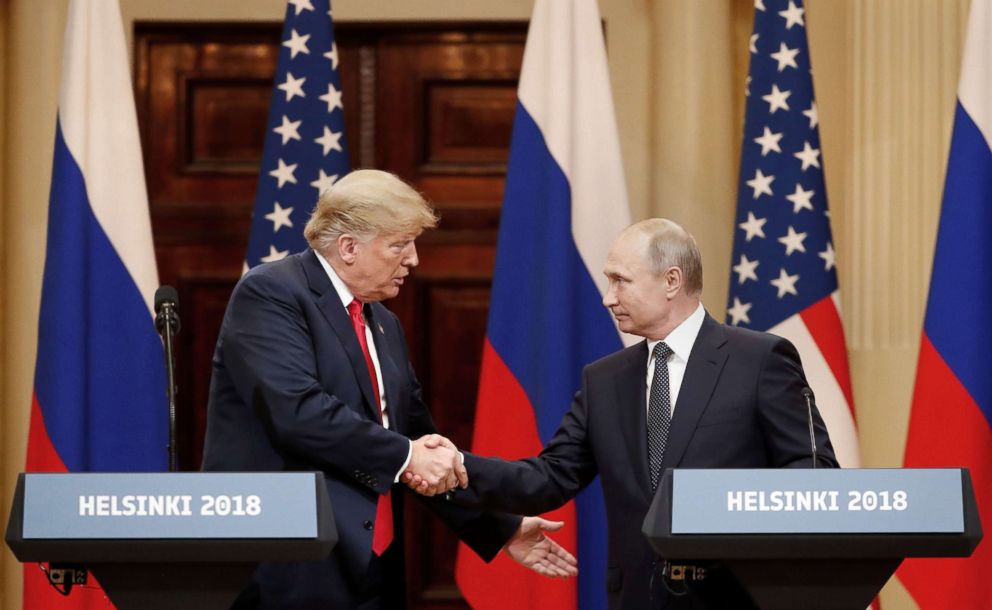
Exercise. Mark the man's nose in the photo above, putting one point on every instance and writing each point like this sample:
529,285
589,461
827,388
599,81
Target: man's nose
609,299
411,259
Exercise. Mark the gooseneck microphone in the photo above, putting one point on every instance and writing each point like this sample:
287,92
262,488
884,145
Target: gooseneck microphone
167,323
808,395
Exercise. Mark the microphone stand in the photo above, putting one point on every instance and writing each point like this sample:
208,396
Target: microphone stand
170,367
167,323
808,395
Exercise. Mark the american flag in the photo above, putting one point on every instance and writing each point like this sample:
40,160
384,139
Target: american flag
784,277
305,148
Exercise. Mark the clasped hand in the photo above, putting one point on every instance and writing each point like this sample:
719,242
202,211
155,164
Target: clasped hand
435,466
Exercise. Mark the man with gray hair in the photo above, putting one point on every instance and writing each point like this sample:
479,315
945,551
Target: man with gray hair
311,372
693,394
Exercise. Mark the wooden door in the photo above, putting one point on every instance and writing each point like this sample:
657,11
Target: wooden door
433,103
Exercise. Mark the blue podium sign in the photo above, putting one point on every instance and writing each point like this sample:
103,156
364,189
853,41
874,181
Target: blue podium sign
192,505
817,501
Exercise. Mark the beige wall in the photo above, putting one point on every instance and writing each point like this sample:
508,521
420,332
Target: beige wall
885,73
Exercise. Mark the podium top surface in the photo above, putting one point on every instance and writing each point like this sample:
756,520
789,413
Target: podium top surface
191,516
832,513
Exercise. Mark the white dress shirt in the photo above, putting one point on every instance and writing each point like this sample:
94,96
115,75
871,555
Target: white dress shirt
680,340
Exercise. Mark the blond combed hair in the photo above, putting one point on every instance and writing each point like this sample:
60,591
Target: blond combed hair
366,203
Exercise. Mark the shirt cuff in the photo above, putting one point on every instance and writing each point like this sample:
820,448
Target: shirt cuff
409,455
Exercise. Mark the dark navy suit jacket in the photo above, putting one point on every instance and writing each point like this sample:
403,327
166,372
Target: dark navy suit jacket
291,391
739,406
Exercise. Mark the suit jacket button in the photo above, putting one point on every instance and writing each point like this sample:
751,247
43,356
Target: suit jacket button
367,525
374,483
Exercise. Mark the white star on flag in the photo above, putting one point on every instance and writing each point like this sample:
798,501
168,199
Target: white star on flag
814,118
769,141
332,97
289,130
809,156
785,283
738,312
324,182
296,44
753,45
301,5
793,16
829,256
745,270
274,255
333,55
280,217
292,86
801,199
793,241
785,57
761,184
284,173
759,5
777,99
330,140
753,226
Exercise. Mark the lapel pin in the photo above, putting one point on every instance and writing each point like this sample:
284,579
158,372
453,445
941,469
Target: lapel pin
381,332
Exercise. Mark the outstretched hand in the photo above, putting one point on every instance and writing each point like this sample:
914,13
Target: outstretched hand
531,548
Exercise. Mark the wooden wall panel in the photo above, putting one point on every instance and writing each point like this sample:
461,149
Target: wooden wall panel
432,103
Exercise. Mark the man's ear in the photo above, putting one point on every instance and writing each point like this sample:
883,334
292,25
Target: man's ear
347,248
673,281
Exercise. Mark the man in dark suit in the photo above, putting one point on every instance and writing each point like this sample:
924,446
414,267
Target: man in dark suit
693,394
311,372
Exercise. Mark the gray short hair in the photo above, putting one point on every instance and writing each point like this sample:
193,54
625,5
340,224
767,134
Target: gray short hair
670,245
366,203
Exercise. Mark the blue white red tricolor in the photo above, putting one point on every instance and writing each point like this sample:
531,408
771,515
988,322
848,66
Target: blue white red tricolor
305,148
784,277
565,202
951,419
99,390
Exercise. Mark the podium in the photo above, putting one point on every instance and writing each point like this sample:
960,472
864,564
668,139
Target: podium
812,538
170,540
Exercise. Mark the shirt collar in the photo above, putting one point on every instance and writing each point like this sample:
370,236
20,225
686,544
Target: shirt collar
682,338
343,293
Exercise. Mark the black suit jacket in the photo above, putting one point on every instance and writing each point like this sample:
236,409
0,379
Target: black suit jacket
291,391
739,406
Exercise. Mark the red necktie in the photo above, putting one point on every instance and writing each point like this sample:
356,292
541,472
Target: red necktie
382,536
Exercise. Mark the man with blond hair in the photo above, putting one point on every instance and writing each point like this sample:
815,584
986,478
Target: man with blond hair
693,394
311,372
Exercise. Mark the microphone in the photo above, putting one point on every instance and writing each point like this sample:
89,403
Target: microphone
166,302
167,324
808,395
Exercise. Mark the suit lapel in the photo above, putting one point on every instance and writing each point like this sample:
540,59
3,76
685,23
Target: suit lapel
389,367
330,307
706,360
631,387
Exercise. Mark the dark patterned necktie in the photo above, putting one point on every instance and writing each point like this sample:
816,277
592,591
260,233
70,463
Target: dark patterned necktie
659,411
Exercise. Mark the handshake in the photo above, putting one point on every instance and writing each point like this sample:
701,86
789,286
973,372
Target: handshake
435,466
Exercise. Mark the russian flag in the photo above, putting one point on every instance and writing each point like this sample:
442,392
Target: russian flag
565,202
952,401
99,390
